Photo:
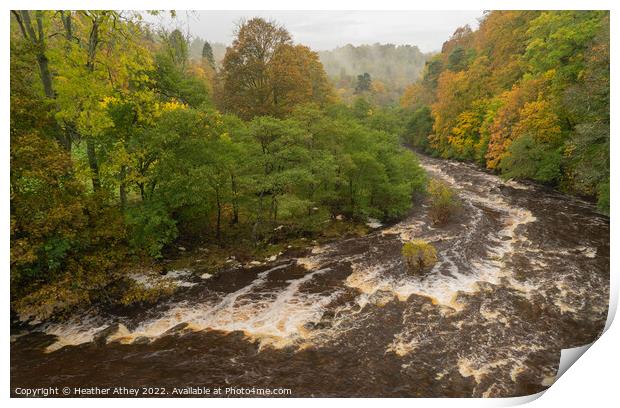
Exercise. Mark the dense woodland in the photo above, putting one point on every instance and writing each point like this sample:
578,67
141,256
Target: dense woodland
129,142
527,94
123,148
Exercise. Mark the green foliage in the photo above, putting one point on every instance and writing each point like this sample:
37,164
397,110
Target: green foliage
176,47
173,83
603,197
457,60
118,156
444,202
64,242
528,159
419,255
362,108
419,127
151,228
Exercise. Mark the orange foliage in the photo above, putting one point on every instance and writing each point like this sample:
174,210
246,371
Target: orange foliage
501,129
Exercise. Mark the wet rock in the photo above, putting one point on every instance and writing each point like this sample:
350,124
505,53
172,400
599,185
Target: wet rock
328,315
178,329
322,325
318,325
110,333
309,326
35,341
142,340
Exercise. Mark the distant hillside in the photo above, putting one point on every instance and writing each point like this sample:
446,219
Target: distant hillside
391,68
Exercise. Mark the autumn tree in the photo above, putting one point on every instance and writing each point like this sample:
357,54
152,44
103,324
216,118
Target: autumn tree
264,74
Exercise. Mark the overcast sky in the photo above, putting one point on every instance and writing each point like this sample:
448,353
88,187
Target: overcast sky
323,30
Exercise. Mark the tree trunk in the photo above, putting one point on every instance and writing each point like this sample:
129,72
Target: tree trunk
92,163
46,77
122,190
219,217
235,214
258,219
93,41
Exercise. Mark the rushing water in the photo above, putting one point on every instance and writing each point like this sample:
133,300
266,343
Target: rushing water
523,273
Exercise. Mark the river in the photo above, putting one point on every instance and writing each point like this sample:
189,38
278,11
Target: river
523,272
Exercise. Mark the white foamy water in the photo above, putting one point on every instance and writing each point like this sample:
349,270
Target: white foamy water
442,287
272,316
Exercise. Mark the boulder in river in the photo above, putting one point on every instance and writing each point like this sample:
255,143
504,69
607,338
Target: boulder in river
110,333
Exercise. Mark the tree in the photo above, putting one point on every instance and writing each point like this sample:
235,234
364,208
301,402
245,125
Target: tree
443,201
247,87
207,54
419,255
37,40
263,73
296,77
176,48
419,127
364,83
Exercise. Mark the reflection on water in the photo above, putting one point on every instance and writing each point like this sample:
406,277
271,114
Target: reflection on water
523,273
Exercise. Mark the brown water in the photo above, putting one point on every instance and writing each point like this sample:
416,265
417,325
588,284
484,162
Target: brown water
523,273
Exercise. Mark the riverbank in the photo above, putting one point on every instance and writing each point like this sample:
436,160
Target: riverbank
522,274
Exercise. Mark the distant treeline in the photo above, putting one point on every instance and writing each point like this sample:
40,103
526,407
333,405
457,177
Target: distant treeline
391,69
526,94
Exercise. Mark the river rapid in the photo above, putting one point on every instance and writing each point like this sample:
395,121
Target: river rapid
523,272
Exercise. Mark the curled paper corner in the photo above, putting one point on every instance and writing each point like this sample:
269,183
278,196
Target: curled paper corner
514,401
568,358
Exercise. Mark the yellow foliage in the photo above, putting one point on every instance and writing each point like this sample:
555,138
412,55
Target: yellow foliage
443,201
419,255
172,106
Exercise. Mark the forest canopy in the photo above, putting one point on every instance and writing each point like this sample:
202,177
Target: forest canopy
124,148
526,94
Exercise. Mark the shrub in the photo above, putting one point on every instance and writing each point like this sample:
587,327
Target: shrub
443,201
152,228
419,255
